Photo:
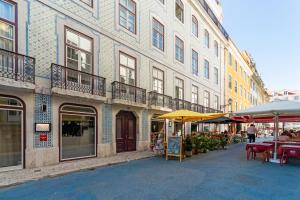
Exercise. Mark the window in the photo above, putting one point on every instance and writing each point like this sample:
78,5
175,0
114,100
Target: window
158,80
236,106
162,1
216,102
179,88
7,25
236,66
235,87
216,46
78,132
206,69
179,10
179,49
216,75
245,93
241,90
194,63
127,69
230,82
127,12
158,34
194,26
88,2
194,94
79,56
230,59
206,38
206,98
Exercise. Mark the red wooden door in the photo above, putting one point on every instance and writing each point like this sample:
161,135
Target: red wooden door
125,131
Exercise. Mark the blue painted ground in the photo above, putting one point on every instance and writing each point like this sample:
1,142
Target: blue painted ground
217,175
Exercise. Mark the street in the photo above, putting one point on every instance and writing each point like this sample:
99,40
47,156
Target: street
224,174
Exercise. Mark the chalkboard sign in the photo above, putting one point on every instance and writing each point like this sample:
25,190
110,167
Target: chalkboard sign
174,147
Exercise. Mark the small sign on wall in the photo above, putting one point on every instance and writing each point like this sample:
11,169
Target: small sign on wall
43,137
42,127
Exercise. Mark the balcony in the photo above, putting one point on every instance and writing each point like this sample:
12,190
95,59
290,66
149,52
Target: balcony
213,18
71,82
159,101
211,110
17,70
181,104
197,108
128,94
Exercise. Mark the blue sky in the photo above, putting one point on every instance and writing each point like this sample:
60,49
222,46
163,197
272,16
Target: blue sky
270,31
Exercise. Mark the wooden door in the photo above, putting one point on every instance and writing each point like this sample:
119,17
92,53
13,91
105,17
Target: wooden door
125,131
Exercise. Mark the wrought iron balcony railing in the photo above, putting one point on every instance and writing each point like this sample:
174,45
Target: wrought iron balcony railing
181,104
129,93
157,99
214,18
17,66
71,79
197,108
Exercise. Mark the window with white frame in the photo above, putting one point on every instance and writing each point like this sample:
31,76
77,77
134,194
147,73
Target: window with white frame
79,55
127,13
230,82
206,69
88,2
179,10
241,90
158,80
158,34
216,102
216,47
194,94
235,66
7,25
206,38
194,26
194,62
127,69
230,59
206,98
179,49
179,88
235,87
216,75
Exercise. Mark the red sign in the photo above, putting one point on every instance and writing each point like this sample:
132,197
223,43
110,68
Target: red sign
43,137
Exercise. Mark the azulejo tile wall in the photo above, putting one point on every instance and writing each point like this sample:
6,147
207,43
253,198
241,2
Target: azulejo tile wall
43,117
106,123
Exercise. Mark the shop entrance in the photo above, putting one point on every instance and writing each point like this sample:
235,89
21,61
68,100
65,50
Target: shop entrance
11,133
125,131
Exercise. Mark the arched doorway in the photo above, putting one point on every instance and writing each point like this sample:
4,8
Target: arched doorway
125,131
11,133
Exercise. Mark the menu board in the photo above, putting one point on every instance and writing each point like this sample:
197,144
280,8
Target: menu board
174,147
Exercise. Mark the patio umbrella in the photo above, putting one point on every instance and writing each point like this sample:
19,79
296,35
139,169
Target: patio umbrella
189,116
220,120
272,111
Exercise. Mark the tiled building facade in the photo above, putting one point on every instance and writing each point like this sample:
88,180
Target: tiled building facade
97,71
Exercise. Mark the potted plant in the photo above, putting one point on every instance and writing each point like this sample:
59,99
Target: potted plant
203,144
188,146
195,144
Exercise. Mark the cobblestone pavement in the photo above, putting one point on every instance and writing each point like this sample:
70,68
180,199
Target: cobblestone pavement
19,176
224,174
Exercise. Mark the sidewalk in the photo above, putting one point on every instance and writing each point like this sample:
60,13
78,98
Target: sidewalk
19,176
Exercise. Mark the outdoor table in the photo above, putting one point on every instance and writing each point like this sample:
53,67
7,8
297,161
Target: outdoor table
253,148
289,151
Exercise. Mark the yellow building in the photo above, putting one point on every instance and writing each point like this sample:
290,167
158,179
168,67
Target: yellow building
237,80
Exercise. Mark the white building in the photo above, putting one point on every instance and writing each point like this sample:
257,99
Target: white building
83,78
285,95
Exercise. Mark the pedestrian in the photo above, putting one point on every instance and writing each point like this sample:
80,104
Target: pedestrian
251,132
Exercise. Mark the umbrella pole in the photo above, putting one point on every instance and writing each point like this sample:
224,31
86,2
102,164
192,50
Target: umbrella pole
276,135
